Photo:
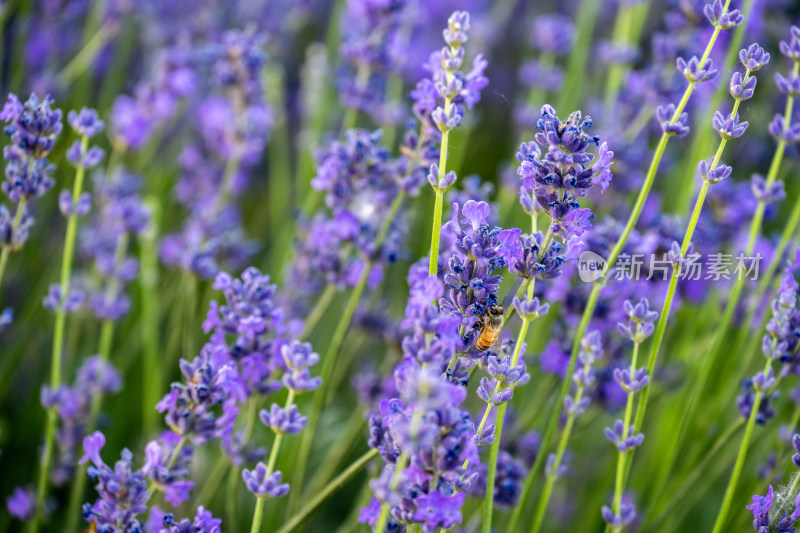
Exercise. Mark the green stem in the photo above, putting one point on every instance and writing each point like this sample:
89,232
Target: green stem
619,484
84,59
58,340
740,457
622,28
576,65
318,310
257,515
327,491
152,370
689,483
7,249
332,354
553,422
328,364
494,452
544,499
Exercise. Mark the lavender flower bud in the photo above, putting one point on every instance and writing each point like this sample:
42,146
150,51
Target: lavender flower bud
626,516
792,48
788,133
713,174
263,485
82,207
631,384
716,15
695,72
445,183
530,310
774,193
678,127
486,392
282,420
729,127
55,300
753,58
623,442
789,86
486,436
740,89
86,123
796,446
457,27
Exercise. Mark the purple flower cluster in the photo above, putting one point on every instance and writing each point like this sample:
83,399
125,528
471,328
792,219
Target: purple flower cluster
585,373
447,82
761,507
86,124
95,378
122,216
476,253
425,422
785,129
560,177
372,46
124,492
779,344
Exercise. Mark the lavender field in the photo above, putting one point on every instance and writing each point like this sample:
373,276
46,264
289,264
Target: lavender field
332,266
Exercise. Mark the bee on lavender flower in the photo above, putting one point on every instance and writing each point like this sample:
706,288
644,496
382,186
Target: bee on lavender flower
491,326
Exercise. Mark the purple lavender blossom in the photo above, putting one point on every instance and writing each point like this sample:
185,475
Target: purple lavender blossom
264,485
560,177
95,378
122,491
33,129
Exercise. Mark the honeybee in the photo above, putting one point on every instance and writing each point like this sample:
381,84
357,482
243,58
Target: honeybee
491,326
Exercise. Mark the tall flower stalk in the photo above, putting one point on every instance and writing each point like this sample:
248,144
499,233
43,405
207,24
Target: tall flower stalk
779,344
637,328
446,117
712,171
584,377
507,378
673,123
786,132
86,124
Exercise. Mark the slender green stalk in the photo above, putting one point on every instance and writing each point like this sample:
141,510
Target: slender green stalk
273,457
689,484
329,363
552,475
84,59
152,369
383,518
619,482
318,310
576,65
621,32
494,452
7,249
703,138
327,491
740,457
255,526
433,265
755,231
58,340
